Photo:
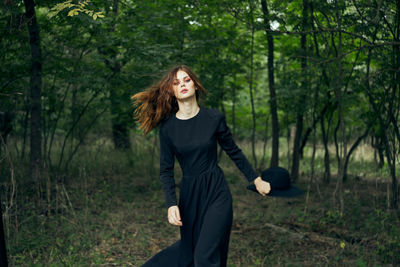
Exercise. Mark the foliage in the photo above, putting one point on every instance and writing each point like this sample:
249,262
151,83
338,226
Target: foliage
92,66
74,9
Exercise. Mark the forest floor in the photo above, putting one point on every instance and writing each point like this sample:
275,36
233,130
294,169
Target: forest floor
110,215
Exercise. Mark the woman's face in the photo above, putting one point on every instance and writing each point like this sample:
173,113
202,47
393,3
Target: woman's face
183,86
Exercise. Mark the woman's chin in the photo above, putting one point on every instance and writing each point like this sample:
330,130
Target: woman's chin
186,97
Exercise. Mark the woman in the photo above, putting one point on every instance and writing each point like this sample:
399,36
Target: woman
190,133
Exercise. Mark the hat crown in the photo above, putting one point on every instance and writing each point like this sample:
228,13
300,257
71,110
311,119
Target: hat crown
277,177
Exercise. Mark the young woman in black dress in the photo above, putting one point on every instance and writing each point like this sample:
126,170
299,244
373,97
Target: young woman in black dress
190,133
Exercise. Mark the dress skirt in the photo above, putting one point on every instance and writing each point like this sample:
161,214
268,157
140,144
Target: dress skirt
205,206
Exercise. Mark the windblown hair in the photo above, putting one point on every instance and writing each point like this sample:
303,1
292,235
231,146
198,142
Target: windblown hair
158,101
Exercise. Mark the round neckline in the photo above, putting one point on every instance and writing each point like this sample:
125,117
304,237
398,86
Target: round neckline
197,114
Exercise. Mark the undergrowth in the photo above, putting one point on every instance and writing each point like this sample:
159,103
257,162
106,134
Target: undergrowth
108,210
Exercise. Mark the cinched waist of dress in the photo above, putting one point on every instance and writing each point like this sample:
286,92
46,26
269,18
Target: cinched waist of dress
212,169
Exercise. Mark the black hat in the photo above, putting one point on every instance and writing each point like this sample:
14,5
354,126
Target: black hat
279,180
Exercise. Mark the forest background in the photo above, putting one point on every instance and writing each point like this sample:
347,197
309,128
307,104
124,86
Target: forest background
309,85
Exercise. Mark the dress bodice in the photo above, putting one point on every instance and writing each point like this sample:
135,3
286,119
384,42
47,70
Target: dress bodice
194,143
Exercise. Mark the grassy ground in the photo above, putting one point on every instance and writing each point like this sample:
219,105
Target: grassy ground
112,213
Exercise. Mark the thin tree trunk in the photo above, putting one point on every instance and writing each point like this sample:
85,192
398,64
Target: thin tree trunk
272,94
120,130
3,252
313,126
82,138
390,151
36,93
288,140
220,78
395,76
53,127
312,173
313,149
265,142
25,127
352,149
395,92
376,143
300,109
338,192
327,171
74,124
296,149
335,138
253,113
234,106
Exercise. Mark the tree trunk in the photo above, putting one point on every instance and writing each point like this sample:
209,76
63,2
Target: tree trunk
119,121
272,95
392,109
353,147
119,126
253,113
288,140
300,110
296,149
6,119
327,172
312,127
265,143
234,106
382,115
36,93
343,144
314,130
25,127
3,252
381,154
335,138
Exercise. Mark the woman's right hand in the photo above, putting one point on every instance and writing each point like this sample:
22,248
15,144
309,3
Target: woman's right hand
174,216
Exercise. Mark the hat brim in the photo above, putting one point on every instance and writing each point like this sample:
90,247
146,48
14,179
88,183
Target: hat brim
292,191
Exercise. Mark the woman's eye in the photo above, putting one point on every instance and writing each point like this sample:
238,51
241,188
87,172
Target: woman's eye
187,80
175,83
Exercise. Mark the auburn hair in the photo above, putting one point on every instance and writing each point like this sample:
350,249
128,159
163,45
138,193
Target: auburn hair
157,102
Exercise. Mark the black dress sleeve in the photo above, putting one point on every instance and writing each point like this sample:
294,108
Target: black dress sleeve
167,161
234,152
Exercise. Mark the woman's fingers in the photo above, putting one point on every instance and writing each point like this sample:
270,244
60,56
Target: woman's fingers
178,215
174,216
267,188
263,188
178,221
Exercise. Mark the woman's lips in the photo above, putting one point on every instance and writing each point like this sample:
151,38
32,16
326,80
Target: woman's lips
184,91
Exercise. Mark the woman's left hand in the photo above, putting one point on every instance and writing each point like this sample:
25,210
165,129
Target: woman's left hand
262,186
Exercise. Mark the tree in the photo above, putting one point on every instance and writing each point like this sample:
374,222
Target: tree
3,252
272,92
36,92
301,98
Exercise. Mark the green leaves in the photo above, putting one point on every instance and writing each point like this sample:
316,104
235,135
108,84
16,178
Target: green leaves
74,9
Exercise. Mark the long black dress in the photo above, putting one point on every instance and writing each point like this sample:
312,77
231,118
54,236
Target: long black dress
205,201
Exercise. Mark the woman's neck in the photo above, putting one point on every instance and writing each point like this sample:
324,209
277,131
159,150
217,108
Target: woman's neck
187,109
